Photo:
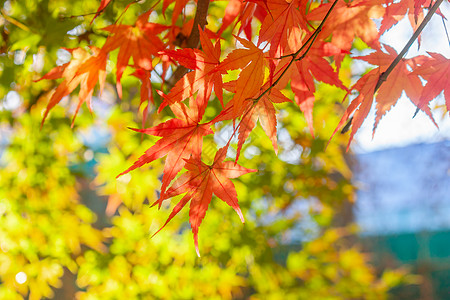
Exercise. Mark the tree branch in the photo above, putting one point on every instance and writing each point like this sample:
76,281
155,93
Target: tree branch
200,19
405,49
193,40
383,77
308,44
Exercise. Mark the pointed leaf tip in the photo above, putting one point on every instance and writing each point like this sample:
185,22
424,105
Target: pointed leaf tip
239,212
200,182
196,243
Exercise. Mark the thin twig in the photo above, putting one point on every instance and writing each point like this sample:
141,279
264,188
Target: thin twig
383,76
97,12
14,21
82,15
405,49
86,14
446,32
308,44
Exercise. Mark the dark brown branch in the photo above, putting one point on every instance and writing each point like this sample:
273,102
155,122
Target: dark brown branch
200,19
193,40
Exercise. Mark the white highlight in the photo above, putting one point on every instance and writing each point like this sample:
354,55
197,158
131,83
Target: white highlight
21,277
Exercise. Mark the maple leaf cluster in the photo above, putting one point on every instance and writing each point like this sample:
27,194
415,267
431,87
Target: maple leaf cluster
299,43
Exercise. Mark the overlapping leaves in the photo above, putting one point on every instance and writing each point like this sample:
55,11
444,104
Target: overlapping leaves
298,42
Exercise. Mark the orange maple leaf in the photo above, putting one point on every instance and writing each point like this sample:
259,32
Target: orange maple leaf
360,106
252,62
245,11
205,74
400,79
85,70
178,8
199,183
349,20
253,110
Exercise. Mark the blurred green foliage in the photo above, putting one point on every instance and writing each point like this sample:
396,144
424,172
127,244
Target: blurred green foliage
47,230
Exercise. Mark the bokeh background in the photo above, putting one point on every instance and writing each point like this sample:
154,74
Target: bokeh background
321,223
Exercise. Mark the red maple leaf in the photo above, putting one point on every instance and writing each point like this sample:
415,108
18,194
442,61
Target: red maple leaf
437,73
85,70
401,79
245,12
199,183
205,74
182,137
313,66
103,5
146,91
139,42
284,26
396,11
178,8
